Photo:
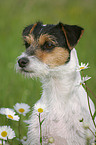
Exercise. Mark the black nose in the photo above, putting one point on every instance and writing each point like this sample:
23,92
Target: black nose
23,62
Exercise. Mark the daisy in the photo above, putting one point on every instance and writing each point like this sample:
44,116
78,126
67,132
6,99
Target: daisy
84,79
9,113
3,110
6,132
22,108
82,66
39,107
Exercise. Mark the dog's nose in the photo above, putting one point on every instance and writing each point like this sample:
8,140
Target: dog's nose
23,62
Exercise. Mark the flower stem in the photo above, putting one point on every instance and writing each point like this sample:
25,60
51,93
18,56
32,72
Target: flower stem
40,130
19,129
91,131
89,105
89,101
2,141
90,91
8,141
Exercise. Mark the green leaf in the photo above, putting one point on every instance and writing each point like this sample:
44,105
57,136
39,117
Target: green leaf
42,121
81,120
94,115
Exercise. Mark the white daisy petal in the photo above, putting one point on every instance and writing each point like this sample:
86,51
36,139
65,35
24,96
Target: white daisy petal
9,113
14,117
1,142
87,78
22,108
4,110
83,80
6,132
39,108
82,66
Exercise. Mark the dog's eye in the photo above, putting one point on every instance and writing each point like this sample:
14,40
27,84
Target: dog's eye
48,46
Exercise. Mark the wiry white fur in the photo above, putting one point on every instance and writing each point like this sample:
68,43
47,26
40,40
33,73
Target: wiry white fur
66,104
35,68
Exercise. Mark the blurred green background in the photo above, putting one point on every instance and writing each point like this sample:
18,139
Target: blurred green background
14,16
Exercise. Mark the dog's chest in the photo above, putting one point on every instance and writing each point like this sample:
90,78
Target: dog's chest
63,118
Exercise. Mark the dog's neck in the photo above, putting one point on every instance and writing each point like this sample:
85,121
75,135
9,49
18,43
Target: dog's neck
61,82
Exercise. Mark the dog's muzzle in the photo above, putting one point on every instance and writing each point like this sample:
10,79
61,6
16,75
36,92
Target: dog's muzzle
23,62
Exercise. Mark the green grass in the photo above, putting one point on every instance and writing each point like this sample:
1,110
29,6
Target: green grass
14,16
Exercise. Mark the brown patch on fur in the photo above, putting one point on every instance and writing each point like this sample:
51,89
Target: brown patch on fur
33,28
29,39
45,37
55,58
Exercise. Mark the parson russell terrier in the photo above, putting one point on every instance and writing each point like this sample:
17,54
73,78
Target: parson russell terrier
51,56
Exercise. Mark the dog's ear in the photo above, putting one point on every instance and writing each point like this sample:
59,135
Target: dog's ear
72,34
26,30
29,29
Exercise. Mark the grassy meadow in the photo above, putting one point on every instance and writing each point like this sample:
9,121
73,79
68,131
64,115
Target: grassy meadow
14,16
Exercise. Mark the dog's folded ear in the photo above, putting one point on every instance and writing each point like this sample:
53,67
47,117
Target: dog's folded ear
72,34
29,29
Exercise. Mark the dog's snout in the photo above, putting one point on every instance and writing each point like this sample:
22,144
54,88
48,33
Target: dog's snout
23,62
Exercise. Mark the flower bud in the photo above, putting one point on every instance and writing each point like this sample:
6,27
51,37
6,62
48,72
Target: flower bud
51,140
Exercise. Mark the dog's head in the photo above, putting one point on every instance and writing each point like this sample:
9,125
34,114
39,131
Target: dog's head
47,47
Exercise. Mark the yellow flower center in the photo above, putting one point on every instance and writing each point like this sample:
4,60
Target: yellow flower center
10,116
4,134
40,110
82,67
21,110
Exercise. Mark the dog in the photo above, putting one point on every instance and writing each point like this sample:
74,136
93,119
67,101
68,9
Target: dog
51,56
